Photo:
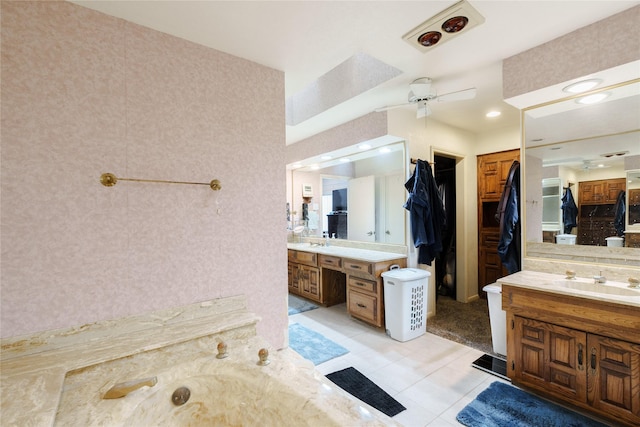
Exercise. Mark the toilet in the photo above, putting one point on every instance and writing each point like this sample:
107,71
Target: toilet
497,318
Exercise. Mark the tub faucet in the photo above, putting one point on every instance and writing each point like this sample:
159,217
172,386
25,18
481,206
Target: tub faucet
122,389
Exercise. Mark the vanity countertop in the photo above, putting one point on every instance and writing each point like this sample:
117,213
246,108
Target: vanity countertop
347,252
613,292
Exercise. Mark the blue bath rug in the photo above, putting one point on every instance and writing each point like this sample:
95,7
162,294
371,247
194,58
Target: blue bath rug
299,305
502,405
312,345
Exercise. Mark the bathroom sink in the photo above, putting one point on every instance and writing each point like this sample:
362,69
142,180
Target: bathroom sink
598,288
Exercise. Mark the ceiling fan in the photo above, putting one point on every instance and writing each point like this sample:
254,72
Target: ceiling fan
421,93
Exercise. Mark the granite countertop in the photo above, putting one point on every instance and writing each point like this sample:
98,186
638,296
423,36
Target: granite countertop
613,292
347,252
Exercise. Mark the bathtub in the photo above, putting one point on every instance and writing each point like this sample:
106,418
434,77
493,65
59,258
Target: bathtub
234,391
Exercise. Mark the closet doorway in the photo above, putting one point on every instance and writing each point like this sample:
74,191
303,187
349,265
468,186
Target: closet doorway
445,175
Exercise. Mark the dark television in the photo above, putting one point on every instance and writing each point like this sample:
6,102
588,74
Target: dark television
340,200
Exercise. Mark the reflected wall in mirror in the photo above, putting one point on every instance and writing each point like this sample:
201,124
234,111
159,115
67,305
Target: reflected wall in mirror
588,153
358,193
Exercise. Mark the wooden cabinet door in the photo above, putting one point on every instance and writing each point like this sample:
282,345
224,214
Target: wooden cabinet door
613,188
310,283
551,358
614,377
293,274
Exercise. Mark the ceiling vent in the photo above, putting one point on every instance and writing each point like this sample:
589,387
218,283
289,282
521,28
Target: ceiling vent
457,19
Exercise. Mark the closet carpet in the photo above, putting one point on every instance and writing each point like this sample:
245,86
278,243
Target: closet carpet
465,323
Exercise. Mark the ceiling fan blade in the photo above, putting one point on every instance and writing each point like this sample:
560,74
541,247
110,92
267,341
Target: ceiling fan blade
460,95
391,107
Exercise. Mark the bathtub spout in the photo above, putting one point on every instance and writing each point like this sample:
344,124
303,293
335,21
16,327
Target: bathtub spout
122,389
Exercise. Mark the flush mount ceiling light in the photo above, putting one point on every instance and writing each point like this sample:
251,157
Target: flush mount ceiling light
491,114
582,86
443,26
592,99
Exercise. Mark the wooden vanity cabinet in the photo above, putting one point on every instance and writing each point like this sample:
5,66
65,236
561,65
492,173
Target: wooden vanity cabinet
304,275
331,280
582,351
365,289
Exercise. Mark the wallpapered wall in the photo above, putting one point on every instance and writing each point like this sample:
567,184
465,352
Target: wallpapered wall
84,93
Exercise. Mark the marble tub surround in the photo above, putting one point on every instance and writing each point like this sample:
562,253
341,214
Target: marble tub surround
60,377
611,291
235,390
34,369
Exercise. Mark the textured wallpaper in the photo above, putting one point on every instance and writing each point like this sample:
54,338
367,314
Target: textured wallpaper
84,93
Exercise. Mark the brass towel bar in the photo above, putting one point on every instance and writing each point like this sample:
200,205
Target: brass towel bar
109,180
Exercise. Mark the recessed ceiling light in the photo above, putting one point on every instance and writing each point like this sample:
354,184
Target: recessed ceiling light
592,99
493,114
600,165
582,86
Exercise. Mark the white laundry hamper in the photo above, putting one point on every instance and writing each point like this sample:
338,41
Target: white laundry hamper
405,302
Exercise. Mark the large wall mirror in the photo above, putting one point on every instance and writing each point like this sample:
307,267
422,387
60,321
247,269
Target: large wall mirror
585,147
355,193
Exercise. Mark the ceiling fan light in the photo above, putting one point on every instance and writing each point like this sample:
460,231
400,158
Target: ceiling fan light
455,24
582,86
429,38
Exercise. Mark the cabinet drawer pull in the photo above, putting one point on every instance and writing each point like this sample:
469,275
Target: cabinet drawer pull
355,267
361,305
580,357
593,359
359,284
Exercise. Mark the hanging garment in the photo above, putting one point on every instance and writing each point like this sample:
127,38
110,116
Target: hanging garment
569,212
509,216
620,209
426,212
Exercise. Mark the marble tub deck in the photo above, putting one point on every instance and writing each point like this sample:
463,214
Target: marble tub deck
37,371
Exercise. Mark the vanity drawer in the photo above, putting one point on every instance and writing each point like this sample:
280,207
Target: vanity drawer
359,266
302,257
362,285
364,306
332,262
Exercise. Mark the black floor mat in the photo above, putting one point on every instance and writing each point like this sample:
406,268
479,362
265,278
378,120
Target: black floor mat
352,381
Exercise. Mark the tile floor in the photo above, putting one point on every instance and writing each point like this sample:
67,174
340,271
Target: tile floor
429,375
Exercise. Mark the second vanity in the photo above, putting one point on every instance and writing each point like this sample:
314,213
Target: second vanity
334,274
575,340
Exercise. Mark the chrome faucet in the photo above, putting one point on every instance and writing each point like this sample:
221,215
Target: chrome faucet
122,389
600,278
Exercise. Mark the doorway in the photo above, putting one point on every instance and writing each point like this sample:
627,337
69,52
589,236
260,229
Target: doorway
445,175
